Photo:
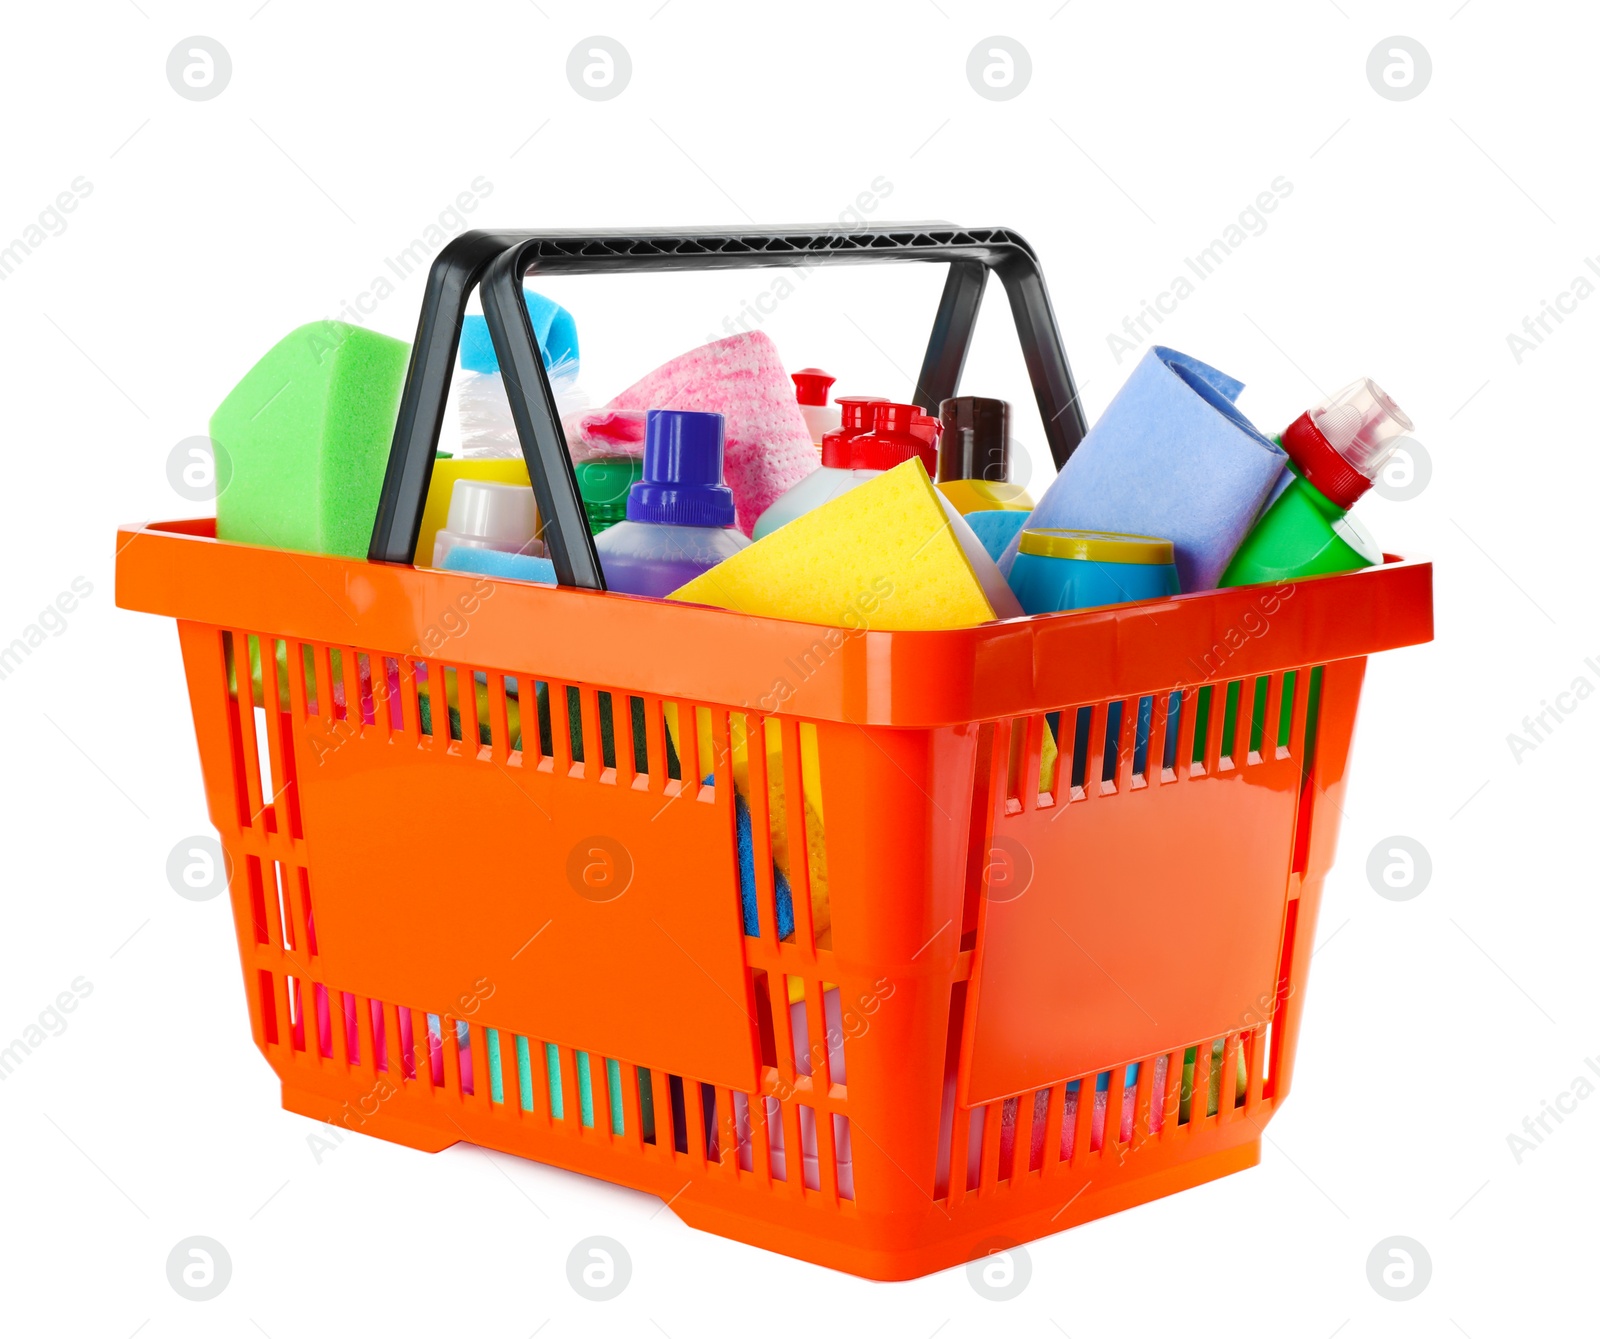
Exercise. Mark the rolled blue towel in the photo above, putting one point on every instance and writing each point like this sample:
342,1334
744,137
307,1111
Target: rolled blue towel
1171,457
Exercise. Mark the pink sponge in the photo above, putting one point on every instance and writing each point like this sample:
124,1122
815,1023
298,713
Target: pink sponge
767,444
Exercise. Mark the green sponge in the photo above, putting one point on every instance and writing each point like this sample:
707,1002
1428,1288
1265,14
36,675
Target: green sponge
303,440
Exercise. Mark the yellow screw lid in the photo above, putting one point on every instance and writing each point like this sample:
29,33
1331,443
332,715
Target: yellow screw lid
1098,546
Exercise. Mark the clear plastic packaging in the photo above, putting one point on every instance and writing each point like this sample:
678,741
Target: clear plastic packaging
1363,425
487,429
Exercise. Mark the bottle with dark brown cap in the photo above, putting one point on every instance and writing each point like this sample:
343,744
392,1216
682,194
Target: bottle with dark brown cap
975,456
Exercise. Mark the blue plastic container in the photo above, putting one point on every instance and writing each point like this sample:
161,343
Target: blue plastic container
1081,569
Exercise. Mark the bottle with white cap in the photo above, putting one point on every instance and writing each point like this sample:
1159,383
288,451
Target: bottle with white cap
1335,450
488,515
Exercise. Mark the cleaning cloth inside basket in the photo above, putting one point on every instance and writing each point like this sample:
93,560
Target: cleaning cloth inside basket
767,446
1171,456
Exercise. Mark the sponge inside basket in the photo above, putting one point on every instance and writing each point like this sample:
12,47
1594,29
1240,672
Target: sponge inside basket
886,555
303,440
883,556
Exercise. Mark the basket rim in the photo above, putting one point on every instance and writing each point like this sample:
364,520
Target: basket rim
908,679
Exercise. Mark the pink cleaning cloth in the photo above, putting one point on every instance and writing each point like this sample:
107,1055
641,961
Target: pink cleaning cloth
606,432
1069,1122
767,444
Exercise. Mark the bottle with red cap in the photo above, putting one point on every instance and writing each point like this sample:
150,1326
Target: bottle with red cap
811,390
1335,451
857,415
899,432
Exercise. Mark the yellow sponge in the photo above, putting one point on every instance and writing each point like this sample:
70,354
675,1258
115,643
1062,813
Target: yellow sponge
882,556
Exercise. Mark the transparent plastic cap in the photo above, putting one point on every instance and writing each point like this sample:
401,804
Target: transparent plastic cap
1363,425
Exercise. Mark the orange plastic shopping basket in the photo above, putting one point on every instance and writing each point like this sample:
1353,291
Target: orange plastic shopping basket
990,989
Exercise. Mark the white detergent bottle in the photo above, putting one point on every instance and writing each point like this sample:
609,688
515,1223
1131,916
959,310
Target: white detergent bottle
811,392
834,476
489,515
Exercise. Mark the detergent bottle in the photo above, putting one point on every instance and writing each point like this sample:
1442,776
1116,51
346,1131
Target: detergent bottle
680,514
1335,451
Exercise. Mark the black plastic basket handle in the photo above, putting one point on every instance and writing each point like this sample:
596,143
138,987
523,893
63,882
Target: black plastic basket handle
500,260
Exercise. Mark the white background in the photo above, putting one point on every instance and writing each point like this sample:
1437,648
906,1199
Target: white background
1418,235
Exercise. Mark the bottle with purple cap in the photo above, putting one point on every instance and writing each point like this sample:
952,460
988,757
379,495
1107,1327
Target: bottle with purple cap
680,513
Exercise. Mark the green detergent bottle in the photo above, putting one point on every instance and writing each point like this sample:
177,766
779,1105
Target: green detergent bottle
1335,452
603,484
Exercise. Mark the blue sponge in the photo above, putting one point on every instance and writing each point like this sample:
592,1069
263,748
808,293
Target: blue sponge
553,327
493,563
996,529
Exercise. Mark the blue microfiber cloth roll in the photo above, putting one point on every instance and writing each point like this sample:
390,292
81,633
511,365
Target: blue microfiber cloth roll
1171,457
